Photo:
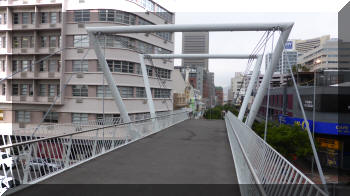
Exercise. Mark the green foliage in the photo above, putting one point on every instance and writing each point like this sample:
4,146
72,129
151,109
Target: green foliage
287,140
216,112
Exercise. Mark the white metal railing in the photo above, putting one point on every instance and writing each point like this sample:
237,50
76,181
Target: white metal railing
29,162
258,164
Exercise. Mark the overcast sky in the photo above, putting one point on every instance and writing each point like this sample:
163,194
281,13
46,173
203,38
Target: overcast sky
312,18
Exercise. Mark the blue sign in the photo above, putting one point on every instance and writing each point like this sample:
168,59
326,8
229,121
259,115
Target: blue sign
320,127
288,45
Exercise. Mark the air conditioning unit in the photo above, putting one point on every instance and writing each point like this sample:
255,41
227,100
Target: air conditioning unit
52,50
146,34
53,1
164,101
80,50
79,100
80,75
52,25
24,26
81,25
165,41
147,12
51,74
23,74
23,50
50,99
166,22
22,125
25,2
23,98
164,61
50,127
144,101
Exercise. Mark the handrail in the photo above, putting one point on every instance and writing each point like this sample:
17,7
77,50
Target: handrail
84,131
256,178
267,167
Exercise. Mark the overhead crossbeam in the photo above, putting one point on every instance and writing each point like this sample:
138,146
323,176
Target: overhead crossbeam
284,28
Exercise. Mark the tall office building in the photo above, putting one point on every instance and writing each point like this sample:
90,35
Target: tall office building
33,30
289,58
195,43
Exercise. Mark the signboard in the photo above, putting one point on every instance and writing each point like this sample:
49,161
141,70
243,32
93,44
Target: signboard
1,115
328,143
288,45
320,127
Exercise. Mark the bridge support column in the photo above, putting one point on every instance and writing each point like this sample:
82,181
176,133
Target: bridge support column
267,77
251,85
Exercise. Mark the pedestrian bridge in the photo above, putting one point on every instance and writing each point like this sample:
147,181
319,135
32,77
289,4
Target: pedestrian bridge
171,149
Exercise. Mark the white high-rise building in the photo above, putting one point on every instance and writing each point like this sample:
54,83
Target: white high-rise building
31,30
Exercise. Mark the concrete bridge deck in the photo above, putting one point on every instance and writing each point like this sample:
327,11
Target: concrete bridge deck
192,152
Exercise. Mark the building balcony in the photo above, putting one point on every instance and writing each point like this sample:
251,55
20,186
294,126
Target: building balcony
47,50
23,26
25,99
23,51
49,26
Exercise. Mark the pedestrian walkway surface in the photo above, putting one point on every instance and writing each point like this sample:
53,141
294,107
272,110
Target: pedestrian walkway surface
191,152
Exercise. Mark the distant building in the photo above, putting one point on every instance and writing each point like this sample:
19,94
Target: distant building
331,134
195,43
303,46
288,58
219,95
199,77
322,57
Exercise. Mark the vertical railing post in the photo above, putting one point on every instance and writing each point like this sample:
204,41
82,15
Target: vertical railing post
66,162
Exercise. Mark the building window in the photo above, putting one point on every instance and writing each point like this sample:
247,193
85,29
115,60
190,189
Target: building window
15,66
15,89
80,90
53,17
15,18
52,65
44,17
81,41
26,42
79,118
42,90
25,17
126,92
51,117
161,93
41,66
53,41
109,117
149,71
43,41
81,15
121,66
80,66
26,65
23,89
162,73
99,91
5,18
52,90
22,116
140,92
30,87
3,89
32,14
15,42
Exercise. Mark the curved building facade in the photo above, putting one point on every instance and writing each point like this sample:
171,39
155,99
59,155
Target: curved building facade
46,42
